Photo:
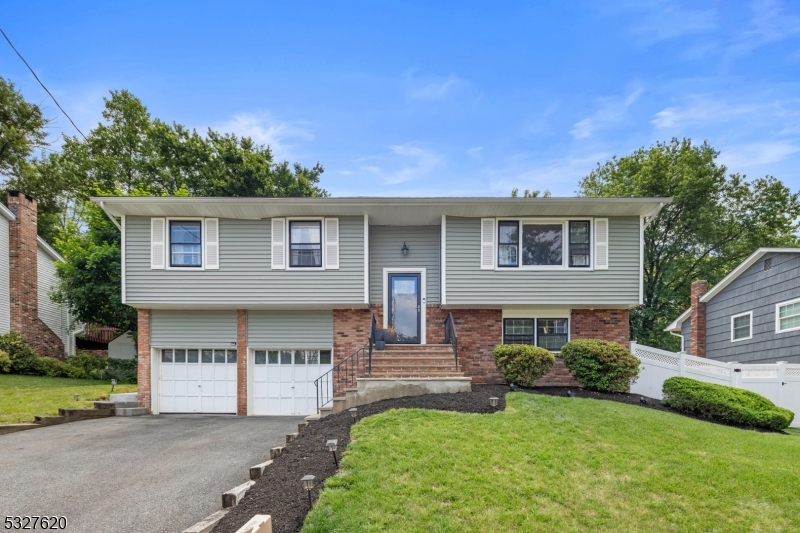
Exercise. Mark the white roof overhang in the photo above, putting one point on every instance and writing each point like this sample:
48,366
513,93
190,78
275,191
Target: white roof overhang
381,211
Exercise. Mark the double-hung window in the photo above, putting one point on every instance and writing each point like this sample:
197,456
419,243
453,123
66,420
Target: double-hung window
548,333
185,243
305,243
742,326
787,316
529,243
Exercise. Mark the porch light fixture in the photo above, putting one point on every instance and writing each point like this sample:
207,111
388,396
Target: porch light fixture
512,387
308,484
76,397
569,393
331,445
404,249
354,413
493,401
113,382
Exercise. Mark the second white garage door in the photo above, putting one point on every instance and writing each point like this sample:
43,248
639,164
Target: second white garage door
283,380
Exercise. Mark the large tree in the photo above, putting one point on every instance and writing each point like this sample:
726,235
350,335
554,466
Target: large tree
22,130
132,153
715,220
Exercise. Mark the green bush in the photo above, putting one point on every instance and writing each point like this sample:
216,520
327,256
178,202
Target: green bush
123,370
523,364
91,365
5,363
724,404
23,359
56,368
601,365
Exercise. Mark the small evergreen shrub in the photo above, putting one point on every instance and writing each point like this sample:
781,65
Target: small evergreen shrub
601,365
123,370
724,404
523,364
23,359
5,363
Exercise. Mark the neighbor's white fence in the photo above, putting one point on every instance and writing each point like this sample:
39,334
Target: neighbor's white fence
779,382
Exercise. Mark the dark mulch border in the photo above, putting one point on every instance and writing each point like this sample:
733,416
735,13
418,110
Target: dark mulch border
279,492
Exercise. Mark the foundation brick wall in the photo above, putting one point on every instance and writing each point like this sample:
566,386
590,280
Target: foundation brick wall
479,333
143,374
697,339
559,376
24,278
241,362
604,324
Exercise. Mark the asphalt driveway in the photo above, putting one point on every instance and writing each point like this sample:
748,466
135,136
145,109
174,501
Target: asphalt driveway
150,473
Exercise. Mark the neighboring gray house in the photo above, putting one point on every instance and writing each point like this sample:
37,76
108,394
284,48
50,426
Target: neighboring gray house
751,316
27,275
244,302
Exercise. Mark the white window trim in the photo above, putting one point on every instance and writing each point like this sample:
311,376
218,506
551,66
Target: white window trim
122,246
750,336
564,244
168,244
424,297
535,317
288,252
778,316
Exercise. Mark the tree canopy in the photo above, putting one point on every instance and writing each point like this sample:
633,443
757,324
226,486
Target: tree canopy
715,221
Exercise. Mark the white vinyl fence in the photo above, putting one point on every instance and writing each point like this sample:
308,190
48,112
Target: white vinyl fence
779,382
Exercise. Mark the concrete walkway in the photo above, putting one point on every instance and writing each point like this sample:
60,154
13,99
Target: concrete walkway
150,473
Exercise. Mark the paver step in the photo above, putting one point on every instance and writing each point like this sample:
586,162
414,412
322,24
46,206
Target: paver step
412,374
124,397
430,361
85,413
51,420
130,411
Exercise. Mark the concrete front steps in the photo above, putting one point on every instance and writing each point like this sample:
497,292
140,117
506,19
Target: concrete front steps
403,370
125,404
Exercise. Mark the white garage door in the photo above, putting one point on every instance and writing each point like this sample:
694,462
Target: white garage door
283,380
197,380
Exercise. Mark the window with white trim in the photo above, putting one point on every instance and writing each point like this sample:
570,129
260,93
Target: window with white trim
787,316
742,326
530,243
194,355
288,357
548,333
185,243
305,243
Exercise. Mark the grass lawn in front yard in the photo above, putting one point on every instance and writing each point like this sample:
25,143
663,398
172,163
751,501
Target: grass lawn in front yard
559,464
23,397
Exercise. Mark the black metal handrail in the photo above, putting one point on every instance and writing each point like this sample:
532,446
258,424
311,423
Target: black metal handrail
347,372
451,336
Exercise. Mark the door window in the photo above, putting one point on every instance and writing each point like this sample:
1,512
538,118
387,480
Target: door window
404,305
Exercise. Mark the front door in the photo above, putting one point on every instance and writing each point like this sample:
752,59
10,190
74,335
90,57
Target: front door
405,304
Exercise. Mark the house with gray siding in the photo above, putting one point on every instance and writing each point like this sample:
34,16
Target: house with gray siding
751,316
254,305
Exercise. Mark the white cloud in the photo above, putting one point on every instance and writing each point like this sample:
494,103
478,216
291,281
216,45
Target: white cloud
768,25
559,175
611,111
405,162
281,136
660,20
433,88
758,153
475,152
712,108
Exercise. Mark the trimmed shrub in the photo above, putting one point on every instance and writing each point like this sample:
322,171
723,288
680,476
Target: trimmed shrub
23,359
724,404
91,365
55,368
5,363
601,365
123,370
523,364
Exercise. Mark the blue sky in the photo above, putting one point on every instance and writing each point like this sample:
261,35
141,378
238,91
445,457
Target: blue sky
423,98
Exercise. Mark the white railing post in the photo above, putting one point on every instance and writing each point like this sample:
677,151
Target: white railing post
681,364
736,375
781,380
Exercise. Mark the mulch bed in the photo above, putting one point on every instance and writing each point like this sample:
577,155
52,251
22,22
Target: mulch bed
279,492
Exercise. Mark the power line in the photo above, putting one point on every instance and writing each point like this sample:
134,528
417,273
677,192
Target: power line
42,84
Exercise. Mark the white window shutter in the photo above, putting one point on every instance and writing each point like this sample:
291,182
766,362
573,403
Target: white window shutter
157,243
601,243
332,243
278,243
212,243
487,244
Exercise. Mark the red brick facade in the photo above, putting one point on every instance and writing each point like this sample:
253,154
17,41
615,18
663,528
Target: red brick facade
697,338
479,333
559,376
241,362
24,278
604,324
143,343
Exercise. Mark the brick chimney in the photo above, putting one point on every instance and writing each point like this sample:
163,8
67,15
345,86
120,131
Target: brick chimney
697,338
24,278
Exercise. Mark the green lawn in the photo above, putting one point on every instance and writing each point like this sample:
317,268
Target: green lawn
559,464
23,397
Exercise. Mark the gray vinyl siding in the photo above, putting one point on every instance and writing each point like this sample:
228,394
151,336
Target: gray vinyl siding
5,289
54,315
758,291
201,329
244,276
686,331
290,329
467,284
423,244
